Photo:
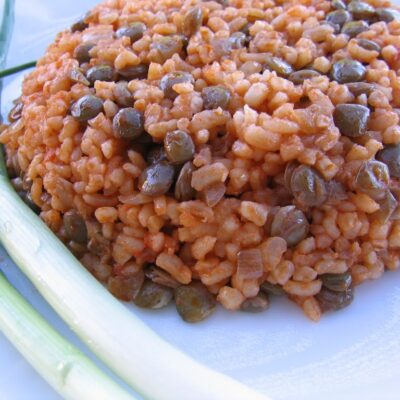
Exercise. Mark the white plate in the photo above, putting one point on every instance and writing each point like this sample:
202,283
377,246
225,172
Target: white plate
351,354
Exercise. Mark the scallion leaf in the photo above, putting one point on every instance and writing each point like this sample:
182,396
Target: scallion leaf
6,27
62,365
17,68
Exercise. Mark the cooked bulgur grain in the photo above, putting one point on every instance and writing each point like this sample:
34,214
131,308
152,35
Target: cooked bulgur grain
218,148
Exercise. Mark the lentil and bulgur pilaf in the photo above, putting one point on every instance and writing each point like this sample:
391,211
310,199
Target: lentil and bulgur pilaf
224,150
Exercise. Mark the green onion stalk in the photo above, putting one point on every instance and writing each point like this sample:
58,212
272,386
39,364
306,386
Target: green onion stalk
18,68
6,26
61,364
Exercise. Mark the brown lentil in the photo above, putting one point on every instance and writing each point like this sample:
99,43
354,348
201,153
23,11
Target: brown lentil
133,31
128,123
169,80
134,72
87,107
351,119
82,52
354,28
101,73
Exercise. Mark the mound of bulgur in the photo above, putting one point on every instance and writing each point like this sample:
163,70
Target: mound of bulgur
219,150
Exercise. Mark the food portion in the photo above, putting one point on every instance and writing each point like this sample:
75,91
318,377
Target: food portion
219,151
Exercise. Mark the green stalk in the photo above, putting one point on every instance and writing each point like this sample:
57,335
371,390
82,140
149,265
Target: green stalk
6,27
120,339
62,365
18,68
